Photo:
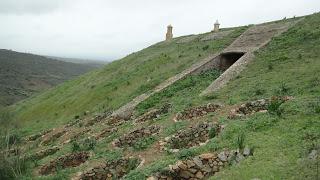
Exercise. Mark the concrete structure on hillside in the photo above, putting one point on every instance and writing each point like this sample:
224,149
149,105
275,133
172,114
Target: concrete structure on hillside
216,26
169,34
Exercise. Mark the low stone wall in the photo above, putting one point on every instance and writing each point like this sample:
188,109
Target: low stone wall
195,112
53,136
193,136
105,132
70,160
73,135
132,137
199,167
96,119
152,114
255,106
38,135
45,152
110,170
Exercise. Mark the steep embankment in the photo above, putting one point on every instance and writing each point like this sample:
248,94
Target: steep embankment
23,75
120,81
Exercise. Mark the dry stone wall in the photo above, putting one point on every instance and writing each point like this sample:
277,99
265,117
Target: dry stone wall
134,136
70,160
110,170
200,167
53,136
152,114
105,132
255,106
193,136
195,112
45,152
38,135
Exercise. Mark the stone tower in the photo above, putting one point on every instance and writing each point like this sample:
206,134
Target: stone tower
216,26
169,33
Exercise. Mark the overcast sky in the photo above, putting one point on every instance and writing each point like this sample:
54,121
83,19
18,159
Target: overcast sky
111,29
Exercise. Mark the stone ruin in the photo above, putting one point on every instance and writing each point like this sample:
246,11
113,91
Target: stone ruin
105,132
216,26
200,167
70,160
169,34
153,114
193,136
195,112
255,106
115,169
38,135
134,136
45,152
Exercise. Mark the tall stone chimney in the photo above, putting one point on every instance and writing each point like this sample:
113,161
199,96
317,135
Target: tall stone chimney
169,33
216,26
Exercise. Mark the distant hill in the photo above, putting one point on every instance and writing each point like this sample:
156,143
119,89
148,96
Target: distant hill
23,74
89,62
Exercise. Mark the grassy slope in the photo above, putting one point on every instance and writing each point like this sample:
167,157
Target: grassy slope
289,65
115,84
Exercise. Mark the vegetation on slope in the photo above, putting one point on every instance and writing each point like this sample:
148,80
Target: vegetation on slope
282,141
117,83
289,65
23,75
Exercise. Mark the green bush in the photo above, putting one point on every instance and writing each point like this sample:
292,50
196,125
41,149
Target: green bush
241,141
212,133
186,153
274,107
84,145
143,143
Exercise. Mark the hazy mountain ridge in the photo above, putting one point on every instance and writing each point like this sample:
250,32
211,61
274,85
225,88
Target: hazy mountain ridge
23,74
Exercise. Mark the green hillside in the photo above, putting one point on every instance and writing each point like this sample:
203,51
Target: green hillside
108,88
23,75
282,138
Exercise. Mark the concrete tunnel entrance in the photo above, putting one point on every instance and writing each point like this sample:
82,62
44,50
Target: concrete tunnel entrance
227,59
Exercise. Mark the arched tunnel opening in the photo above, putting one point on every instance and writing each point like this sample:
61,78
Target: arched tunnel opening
228,59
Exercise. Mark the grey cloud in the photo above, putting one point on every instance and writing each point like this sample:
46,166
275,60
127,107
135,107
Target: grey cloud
21,7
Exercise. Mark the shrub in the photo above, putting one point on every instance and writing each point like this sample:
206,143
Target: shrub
205,47
143,143
274,107
75,146
186,153
241,141
212,133
283,89
84,145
